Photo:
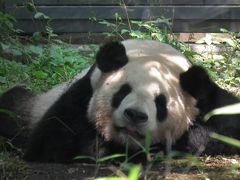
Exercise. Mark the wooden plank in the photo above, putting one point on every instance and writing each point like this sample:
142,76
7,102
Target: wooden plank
127,2
222,2
206,26
75,26
2,7
107,2
134,12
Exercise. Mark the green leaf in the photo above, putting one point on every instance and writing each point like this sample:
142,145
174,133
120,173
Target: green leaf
137,34
224,30
138,143
19,31
37,36
148,142
226,110
30,7
58,41
40,15
134,173
36,49
225,139
7,112
108,24
84,157
230,42
3,80
123,31
40,75
15,50
4,46
107,158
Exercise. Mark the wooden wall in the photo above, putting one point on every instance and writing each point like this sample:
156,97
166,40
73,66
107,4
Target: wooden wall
73,16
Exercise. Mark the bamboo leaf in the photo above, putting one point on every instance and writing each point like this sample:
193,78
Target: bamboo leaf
107,158
84,157
9,113
134,173
226,110
225,139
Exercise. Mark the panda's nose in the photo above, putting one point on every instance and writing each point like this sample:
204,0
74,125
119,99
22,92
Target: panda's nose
135,116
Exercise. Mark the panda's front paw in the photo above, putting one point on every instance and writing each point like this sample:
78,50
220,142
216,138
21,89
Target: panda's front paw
196,82
198,139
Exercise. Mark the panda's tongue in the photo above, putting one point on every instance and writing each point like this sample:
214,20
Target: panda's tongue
133,131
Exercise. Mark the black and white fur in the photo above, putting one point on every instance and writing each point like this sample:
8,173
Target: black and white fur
133,89
209,96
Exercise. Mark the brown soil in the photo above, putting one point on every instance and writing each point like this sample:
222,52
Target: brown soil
197,168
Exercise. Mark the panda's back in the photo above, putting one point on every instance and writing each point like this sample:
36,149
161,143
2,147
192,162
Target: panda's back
165,53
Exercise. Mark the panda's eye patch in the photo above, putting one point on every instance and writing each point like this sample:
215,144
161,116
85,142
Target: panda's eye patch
161,105
120,95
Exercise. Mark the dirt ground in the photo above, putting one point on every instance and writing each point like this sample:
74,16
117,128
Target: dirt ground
198,168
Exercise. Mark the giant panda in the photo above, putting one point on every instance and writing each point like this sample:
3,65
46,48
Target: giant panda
135,89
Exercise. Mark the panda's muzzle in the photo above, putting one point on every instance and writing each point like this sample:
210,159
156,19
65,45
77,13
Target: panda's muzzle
135,116
134,121
132,131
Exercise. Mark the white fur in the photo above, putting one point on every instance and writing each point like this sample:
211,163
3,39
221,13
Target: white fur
153,69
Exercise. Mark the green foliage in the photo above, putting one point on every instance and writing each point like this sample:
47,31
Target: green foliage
11,164
49,65
30,6
145,30
224,66
40,62
7,26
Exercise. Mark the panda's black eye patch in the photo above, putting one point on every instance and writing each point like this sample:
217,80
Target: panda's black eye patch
120,95
161,105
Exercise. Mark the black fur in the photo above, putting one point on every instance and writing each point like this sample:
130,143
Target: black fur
14,122
209,96
64,132
111,56
161,105
120,95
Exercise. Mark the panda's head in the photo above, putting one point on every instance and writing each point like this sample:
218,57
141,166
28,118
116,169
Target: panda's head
136,91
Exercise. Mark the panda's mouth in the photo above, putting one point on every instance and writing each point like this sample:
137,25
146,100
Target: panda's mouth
132,131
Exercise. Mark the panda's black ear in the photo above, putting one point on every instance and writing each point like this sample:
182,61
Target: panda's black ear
111,56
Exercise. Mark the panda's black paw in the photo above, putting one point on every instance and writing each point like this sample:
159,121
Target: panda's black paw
198,138
196,82
111,56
